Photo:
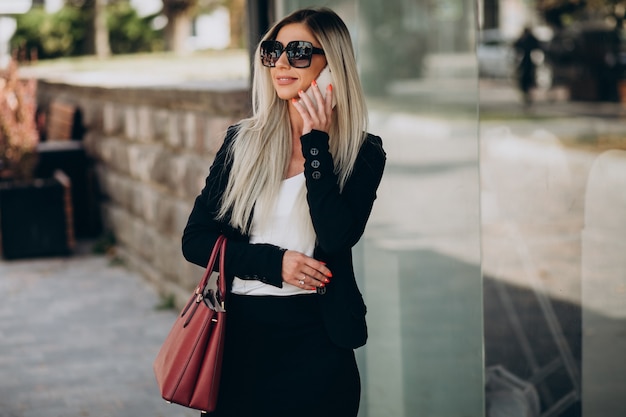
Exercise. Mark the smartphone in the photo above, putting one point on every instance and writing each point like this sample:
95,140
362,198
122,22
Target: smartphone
323,80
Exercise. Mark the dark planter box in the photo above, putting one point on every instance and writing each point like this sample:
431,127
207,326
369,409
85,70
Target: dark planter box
71,158
36,218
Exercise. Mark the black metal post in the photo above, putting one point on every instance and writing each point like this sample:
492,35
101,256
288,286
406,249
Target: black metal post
260,16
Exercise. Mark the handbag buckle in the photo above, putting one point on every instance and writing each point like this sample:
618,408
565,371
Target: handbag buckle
212,301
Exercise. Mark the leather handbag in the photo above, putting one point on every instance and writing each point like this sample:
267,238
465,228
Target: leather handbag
189,363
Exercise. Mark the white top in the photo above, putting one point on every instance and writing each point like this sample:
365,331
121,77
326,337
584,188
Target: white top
278,230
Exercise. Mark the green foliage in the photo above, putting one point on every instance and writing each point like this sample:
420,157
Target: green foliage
129,33
65,32
50,35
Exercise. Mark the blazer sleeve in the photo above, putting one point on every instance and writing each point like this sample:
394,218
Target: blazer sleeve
261,262
339,218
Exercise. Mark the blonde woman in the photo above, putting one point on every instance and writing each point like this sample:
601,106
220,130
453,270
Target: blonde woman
292,188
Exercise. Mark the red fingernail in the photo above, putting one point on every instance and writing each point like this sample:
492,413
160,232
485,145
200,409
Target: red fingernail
314,82
330,86
300,92
330,274
321,285
327,280
293,100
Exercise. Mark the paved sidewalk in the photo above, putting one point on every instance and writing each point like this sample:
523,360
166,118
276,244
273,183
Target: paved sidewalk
77,339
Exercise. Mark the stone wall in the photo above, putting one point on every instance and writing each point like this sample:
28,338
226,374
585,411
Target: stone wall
152,149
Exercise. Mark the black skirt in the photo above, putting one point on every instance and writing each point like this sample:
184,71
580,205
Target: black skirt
279,361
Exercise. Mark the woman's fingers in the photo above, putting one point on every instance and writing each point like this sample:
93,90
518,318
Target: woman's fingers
304,113
303,271
316,115
319,276
328,101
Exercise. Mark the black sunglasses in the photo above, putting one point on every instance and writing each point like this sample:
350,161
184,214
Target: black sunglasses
299,53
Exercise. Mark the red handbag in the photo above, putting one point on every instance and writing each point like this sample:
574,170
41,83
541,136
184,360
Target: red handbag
189,364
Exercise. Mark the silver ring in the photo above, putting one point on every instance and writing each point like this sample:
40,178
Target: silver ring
301,282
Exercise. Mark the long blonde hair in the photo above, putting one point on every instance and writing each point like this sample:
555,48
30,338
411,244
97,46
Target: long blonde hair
262,146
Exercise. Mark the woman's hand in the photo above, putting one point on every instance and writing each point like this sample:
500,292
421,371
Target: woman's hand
316,115
303,271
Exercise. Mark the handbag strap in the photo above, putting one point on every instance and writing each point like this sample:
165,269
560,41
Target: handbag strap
217,299
218,249
221,279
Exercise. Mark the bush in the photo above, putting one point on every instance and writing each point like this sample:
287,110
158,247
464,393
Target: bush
129,33
50,35
64,33
18,132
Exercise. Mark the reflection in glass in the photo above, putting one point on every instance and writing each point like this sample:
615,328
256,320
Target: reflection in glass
422,248
419,260
553,175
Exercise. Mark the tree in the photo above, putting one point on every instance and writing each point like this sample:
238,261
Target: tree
237,10
558,13
179,15
97,33
101,31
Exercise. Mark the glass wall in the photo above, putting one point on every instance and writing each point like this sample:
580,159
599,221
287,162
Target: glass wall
493,265
419,261
553,193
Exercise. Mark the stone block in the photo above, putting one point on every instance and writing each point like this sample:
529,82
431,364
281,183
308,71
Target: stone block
145,238
142,159
186,175
215,128
160,124
113,152
91,142
175,132
189,124
181,212
144,202
131,122
118,188
112,121
194,176
145,126
120,222
188,275
92,114
167,256
160,171
165,208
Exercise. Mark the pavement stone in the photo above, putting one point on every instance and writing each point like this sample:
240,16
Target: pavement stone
77,339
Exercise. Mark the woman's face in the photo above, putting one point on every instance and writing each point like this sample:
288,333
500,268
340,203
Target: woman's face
288,80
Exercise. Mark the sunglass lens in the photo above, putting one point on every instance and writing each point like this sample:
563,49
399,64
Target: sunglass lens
270,51
299,53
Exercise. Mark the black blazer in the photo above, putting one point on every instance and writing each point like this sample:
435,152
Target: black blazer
339,220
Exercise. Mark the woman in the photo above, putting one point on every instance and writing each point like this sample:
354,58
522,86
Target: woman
292,188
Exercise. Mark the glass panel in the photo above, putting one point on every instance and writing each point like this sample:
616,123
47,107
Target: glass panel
553,178
419,261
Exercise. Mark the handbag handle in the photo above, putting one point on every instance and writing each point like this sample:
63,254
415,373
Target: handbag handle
218,249
216,300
